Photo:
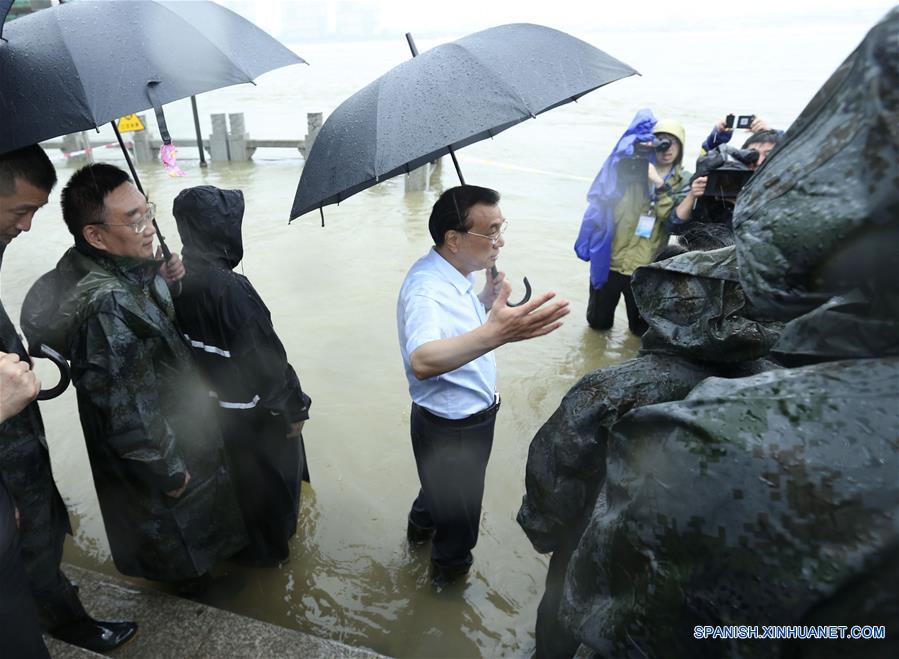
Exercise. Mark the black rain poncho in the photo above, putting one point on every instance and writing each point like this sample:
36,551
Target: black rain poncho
146,415
25,466
235,345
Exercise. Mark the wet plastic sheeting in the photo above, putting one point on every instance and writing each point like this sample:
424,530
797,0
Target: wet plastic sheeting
694,305
450,96
822,211
764,500
701,325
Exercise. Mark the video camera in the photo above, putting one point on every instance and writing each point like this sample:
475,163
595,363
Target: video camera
645,150
728,170
633,169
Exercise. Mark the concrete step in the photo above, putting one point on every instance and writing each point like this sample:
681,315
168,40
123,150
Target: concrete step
60,649
174,627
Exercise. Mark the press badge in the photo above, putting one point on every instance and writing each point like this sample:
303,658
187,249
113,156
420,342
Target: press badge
645,225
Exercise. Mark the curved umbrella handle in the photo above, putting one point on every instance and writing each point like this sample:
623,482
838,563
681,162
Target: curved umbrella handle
527,290
64,377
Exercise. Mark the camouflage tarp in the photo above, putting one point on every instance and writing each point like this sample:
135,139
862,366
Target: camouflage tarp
759,501
821,214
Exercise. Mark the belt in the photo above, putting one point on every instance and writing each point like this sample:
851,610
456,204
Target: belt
477,417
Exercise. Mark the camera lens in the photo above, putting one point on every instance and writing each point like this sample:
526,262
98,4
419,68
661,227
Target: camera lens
663,145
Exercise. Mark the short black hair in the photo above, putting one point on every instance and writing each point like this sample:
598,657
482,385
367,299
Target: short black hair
82,198
450,212
30,164
768,136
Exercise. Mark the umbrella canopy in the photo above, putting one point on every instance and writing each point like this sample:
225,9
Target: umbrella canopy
447,98
82,64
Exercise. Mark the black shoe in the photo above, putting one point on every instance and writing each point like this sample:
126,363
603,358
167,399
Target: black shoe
442,575
96,635
419,535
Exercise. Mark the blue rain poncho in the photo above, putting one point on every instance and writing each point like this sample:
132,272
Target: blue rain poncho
594,241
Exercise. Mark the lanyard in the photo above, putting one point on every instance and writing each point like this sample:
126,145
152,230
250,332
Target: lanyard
653,189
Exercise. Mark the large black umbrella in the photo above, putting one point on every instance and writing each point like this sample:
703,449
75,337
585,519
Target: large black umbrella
446,98
79,65
82,64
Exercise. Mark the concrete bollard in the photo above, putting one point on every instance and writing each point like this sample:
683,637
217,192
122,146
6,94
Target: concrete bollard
238,137
77,143
143,152
313,126
436,169
424,177
218,140
417,179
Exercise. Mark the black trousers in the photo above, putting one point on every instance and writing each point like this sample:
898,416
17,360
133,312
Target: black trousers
451,457
603,300
20,634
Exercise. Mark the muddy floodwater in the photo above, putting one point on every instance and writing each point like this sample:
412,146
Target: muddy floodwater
332,292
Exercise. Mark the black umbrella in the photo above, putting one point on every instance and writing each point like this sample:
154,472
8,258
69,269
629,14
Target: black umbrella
446,98
82,64
79,65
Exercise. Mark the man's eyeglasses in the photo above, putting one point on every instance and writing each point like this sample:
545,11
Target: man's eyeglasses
140,225
493,237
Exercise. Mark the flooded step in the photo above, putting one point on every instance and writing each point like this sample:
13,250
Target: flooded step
174,627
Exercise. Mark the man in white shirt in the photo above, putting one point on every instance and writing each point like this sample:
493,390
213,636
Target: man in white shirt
447,333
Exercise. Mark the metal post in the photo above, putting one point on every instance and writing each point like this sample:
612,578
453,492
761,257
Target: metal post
193,105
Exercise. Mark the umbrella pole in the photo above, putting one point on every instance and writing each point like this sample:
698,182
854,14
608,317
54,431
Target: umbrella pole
127,157
456,164
166,252
452,153
193,104
494,271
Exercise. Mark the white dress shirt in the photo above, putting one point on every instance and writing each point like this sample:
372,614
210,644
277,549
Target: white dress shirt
437,301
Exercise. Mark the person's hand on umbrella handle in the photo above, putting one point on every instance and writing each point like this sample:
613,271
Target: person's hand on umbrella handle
173,269
530,320
18,385
492,288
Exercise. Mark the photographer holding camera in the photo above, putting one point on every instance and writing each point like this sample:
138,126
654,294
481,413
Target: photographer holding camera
626,221
712,200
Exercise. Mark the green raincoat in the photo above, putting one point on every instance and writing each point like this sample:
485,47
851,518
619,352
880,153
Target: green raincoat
147,418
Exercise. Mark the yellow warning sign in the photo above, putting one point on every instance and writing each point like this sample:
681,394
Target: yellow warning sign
130,123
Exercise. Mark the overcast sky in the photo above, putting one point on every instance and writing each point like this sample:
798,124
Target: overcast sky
452,17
